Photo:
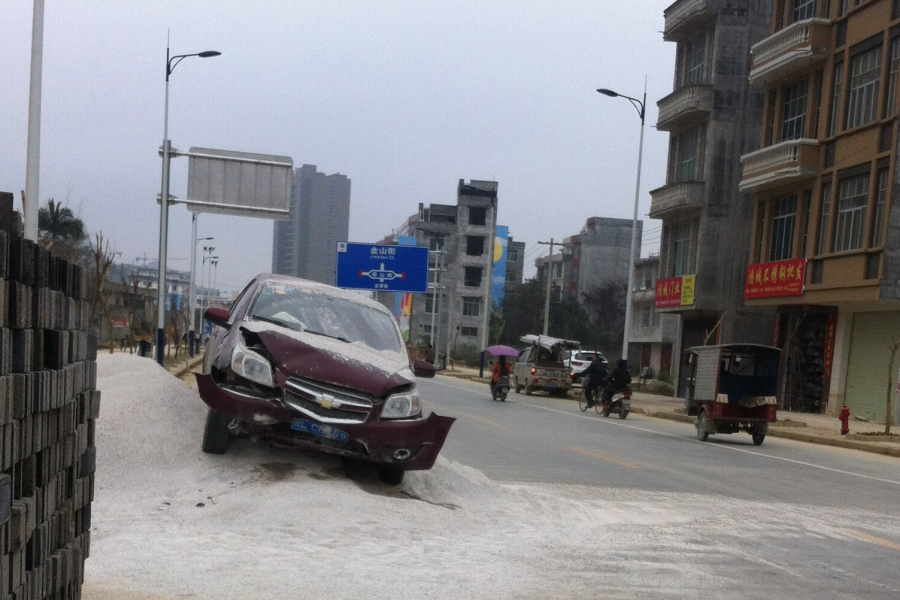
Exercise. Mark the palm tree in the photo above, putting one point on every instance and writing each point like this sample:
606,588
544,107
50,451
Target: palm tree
57,223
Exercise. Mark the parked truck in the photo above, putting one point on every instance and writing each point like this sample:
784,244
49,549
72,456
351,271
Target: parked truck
540,365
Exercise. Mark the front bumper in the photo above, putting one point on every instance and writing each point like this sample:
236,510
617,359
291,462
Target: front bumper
418,441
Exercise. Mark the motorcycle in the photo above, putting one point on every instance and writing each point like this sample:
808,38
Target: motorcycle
500,388
620,403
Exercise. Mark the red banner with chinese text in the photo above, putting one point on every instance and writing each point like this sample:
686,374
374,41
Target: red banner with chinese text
668,292
770,280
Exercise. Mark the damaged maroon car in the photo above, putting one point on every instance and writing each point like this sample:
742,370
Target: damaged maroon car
321,368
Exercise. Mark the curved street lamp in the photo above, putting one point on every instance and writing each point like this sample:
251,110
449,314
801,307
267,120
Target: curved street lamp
171,63
640,106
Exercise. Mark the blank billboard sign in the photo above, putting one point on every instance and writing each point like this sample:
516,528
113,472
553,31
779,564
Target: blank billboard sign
239,183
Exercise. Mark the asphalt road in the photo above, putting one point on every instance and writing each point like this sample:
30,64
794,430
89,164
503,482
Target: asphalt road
802,520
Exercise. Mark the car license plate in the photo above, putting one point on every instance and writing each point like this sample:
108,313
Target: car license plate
553,384
320,430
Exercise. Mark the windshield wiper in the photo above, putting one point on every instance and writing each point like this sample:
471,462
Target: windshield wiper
334,337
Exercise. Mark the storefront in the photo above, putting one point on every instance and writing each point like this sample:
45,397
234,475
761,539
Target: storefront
806,336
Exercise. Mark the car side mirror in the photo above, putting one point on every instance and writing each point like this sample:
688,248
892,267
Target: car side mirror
423,369
217,316
689,359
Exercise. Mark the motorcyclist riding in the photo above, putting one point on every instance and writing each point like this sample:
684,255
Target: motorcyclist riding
619,380
593,378
500,369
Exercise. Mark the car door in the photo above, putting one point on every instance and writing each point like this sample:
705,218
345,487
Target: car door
522,365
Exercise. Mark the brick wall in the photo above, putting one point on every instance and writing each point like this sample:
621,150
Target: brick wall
48,407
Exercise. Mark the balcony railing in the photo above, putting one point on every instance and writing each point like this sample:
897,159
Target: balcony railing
676,199
684,15
793,160
790,50
685,106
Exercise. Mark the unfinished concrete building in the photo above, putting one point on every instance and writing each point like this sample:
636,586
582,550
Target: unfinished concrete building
713,117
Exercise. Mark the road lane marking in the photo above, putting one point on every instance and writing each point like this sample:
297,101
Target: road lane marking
480,419
614,461
620,423
875,540
717,446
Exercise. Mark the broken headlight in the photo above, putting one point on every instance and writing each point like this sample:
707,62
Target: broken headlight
251,366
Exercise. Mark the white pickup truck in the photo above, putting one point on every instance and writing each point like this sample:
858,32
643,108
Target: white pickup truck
540,365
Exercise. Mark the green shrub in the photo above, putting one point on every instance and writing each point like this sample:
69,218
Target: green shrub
664,375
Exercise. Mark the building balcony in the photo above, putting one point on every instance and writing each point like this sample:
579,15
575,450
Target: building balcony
783,163
791,50
676,199
684,107
683,17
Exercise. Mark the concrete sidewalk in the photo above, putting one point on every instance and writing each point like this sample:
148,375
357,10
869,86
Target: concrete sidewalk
804,427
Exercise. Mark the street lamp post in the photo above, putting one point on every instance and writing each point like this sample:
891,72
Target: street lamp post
640,106
171,63
192,300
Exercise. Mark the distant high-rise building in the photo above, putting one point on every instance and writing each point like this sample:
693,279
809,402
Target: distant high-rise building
305,245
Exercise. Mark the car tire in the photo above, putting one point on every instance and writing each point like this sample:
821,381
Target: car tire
391,475
702,434
215,434
759,438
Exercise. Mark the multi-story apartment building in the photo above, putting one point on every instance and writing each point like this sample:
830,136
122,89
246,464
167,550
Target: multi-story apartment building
456,310
306,244
712,117
825,249
515,264
652,332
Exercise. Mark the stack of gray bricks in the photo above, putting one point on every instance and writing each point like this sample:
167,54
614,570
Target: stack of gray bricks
48,407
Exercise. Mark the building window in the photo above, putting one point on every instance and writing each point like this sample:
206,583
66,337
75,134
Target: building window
472,276
681,239
468,331
696,57
435,244
512,255
474,245
783,214
824,214
803,9
686,151
850,213
878,217
836,99
645,316
477,215
511,277
471,307
794,110
807,206
429,303
890,103
557,270
434,276
862,93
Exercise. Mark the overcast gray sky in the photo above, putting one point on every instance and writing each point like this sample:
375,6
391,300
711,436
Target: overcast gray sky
404,97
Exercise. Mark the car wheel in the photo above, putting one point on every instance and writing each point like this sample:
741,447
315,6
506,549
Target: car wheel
759,438
702,434
391,475
518,387
215,434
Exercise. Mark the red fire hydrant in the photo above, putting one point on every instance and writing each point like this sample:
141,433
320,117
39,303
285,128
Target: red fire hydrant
845,420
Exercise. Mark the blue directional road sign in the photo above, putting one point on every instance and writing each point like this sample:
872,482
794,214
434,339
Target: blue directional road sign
382,268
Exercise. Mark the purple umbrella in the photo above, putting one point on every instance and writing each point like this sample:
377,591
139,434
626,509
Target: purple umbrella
501,350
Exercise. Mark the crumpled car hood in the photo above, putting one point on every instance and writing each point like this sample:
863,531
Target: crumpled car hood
351,365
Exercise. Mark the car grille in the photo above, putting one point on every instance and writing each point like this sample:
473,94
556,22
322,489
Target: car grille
327,403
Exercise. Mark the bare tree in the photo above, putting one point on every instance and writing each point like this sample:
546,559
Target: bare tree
102,259
888,417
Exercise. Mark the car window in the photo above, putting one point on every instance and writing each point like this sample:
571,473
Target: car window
324,314
235,306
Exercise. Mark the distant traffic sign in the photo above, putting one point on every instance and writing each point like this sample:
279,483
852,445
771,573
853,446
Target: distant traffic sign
382,268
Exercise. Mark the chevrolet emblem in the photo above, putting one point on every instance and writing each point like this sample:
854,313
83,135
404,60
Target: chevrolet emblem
327,401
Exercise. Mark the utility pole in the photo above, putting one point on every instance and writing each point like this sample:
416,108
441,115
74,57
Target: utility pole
436,299
549,278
